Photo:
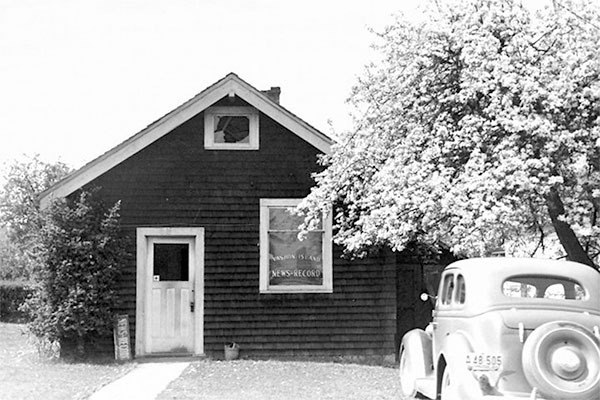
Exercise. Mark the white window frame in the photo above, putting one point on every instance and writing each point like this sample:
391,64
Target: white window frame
209,127
327,286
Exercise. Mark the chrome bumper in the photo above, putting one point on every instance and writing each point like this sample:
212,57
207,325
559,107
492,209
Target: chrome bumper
516,396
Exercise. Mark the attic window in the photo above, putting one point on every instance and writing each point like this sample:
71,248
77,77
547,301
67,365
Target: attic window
231,128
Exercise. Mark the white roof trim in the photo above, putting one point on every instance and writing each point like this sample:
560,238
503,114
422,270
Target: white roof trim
230,84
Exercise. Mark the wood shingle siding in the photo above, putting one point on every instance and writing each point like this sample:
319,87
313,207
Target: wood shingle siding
352,320
176,182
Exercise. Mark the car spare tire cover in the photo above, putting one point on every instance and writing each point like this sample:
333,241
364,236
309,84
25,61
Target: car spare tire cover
562,360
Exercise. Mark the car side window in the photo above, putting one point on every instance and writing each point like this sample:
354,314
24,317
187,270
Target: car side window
448,289
460,290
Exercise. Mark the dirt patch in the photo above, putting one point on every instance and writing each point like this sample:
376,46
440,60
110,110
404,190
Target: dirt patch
266,380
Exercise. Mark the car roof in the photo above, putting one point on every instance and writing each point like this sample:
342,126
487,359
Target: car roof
484,278
507,266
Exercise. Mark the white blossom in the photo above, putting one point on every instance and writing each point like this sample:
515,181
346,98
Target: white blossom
475,116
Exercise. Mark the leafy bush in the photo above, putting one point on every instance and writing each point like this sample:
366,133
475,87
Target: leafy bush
20,216
11,260
82,254
12,296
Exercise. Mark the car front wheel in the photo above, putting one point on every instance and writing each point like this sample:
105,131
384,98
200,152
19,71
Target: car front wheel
407,378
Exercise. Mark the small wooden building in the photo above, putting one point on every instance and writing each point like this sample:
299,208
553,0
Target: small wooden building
206,193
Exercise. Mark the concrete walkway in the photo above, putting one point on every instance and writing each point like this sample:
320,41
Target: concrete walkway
145,382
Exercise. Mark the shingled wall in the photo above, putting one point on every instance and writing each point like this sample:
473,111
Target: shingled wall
175,182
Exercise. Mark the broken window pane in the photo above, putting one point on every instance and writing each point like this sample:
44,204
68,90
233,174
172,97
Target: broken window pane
232,129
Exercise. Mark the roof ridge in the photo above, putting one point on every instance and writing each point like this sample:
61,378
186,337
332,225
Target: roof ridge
176,117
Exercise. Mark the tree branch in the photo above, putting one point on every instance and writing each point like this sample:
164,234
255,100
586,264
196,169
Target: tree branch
567,237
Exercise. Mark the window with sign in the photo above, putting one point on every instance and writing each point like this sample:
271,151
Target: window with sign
231,128
289,264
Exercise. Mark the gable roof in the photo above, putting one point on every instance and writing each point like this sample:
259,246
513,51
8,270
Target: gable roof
231,84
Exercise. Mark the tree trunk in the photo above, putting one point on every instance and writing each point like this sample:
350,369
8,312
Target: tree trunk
567,237
80,347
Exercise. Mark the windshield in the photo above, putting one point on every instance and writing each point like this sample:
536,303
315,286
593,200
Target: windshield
543,287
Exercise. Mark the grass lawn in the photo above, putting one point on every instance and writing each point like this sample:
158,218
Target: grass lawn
24,376
266,380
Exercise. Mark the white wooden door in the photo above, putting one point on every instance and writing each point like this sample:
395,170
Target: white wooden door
170,300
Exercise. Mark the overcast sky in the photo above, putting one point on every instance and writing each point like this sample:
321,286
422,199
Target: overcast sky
77,77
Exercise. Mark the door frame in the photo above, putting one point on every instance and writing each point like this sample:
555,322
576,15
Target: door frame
143,283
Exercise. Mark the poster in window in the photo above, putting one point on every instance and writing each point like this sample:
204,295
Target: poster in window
295,262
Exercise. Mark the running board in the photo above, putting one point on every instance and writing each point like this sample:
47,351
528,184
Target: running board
427,387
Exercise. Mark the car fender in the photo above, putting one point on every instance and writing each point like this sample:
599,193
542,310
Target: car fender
417,343
456,346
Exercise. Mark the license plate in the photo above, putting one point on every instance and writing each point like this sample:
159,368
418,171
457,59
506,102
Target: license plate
484,362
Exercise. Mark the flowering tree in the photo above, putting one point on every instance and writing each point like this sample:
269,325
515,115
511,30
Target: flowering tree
480,128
